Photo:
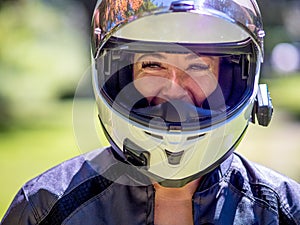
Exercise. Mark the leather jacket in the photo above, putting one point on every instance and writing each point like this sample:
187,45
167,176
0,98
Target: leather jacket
97,188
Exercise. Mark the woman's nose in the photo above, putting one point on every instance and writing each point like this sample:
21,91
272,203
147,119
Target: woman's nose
176,75
174,87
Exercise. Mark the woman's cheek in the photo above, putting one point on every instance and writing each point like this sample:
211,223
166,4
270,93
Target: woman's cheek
202,87
148,86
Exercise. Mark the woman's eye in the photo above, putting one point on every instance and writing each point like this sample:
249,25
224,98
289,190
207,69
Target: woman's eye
152,65
198,67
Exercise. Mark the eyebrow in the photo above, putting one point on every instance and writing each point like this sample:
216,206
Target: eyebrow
154,55
194,56
190,56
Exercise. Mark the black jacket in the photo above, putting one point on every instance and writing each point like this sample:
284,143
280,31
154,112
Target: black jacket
97,189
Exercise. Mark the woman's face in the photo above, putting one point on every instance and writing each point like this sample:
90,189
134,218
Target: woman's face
160,77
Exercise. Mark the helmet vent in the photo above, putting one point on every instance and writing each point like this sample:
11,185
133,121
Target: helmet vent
182,6
174,157
195,137
154,135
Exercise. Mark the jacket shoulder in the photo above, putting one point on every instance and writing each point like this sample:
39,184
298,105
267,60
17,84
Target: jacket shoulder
278,191
38,196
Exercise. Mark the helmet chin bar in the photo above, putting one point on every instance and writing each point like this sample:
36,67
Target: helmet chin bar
182,182
140,158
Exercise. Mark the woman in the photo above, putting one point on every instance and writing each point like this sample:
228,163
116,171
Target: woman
176,85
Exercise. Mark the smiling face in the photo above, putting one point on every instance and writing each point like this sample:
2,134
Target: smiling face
160,77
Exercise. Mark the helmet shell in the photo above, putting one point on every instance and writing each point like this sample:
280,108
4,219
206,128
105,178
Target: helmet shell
175,156
145,20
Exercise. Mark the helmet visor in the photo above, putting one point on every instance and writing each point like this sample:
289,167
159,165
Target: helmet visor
171,86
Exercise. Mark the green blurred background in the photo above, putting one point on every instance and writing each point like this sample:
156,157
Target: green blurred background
44,55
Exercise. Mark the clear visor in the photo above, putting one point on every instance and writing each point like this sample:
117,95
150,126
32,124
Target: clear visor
169,86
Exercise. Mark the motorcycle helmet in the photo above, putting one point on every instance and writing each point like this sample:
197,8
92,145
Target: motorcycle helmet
176,140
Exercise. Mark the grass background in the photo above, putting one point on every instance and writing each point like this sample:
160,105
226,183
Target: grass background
28,150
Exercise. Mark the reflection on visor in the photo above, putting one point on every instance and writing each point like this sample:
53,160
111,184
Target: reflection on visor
178,86
175,111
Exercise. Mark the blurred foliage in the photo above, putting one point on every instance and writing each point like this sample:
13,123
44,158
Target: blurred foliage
281,22
40,58
285,93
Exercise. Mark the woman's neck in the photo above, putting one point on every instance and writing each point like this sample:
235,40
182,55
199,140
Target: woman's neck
174,205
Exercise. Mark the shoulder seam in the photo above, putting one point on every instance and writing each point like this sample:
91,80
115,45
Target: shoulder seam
68,203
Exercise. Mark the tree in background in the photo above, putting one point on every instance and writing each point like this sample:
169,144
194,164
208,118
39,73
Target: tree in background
42,57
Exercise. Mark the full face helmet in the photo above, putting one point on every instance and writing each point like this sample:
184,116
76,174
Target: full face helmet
216,46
